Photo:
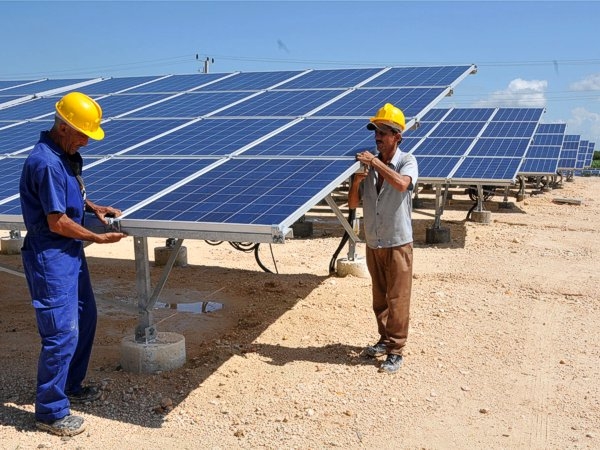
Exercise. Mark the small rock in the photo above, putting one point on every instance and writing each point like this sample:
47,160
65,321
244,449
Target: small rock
465,388
483,411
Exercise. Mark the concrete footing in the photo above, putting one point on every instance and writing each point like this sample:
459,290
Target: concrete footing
357,267
166,352
11,246
417,203
302,229
437,235
162,255
481,216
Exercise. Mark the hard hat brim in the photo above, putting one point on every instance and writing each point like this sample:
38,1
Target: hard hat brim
382,125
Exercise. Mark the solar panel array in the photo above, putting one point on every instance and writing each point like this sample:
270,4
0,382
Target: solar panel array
472,145
237,156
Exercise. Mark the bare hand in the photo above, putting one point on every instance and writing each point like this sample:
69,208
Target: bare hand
102,212
366,158
109,238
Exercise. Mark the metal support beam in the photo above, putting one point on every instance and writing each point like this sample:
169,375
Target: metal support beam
146,329
351,233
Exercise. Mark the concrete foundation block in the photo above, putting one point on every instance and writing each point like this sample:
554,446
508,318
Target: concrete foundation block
357,267
166,352
437,235
11,246
481,216
302,229
162,255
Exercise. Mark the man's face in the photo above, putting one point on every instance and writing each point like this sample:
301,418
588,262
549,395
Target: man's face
72,140
386,139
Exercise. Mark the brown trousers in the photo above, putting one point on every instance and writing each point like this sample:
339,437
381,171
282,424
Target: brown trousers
391,277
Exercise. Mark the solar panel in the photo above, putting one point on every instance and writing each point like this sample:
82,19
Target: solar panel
189,105
209,137
318,138
247,191
251,81
544,153
568,155
235,156
581,154
113,85
477,169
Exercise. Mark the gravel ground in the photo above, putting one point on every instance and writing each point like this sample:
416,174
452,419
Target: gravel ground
503,351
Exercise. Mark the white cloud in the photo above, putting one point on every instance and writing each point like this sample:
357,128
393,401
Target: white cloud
590,83
586,123
519,93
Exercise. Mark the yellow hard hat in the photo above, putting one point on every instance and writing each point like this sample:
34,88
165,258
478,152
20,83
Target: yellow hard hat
82,113
388,115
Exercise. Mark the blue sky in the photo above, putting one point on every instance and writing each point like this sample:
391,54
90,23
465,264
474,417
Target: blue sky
538,53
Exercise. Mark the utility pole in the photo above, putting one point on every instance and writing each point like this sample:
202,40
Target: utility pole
207,61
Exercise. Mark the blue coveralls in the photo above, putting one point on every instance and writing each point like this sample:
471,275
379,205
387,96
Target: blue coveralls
57,276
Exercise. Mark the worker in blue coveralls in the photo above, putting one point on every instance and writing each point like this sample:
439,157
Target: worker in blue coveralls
53,202
386,191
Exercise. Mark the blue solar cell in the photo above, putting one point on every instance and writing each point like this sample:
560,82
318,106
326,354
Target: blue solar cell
435,115
43,86
28,110
436,166
470,115
539,166
177,83
123,133
508,147
210,137
251,81
118,104
408,143
518,115
124,182
331,79
113,85
421,131
572,138
247,191
366,102
551,128
548,139
190,105
21,136
543,151
458,129
318,137
509,129
10,168
419,76
499,169
443,147
281,103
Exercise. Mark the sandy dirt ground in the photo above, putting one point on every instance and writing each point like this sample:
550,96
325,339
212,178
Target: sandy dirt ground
503,350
